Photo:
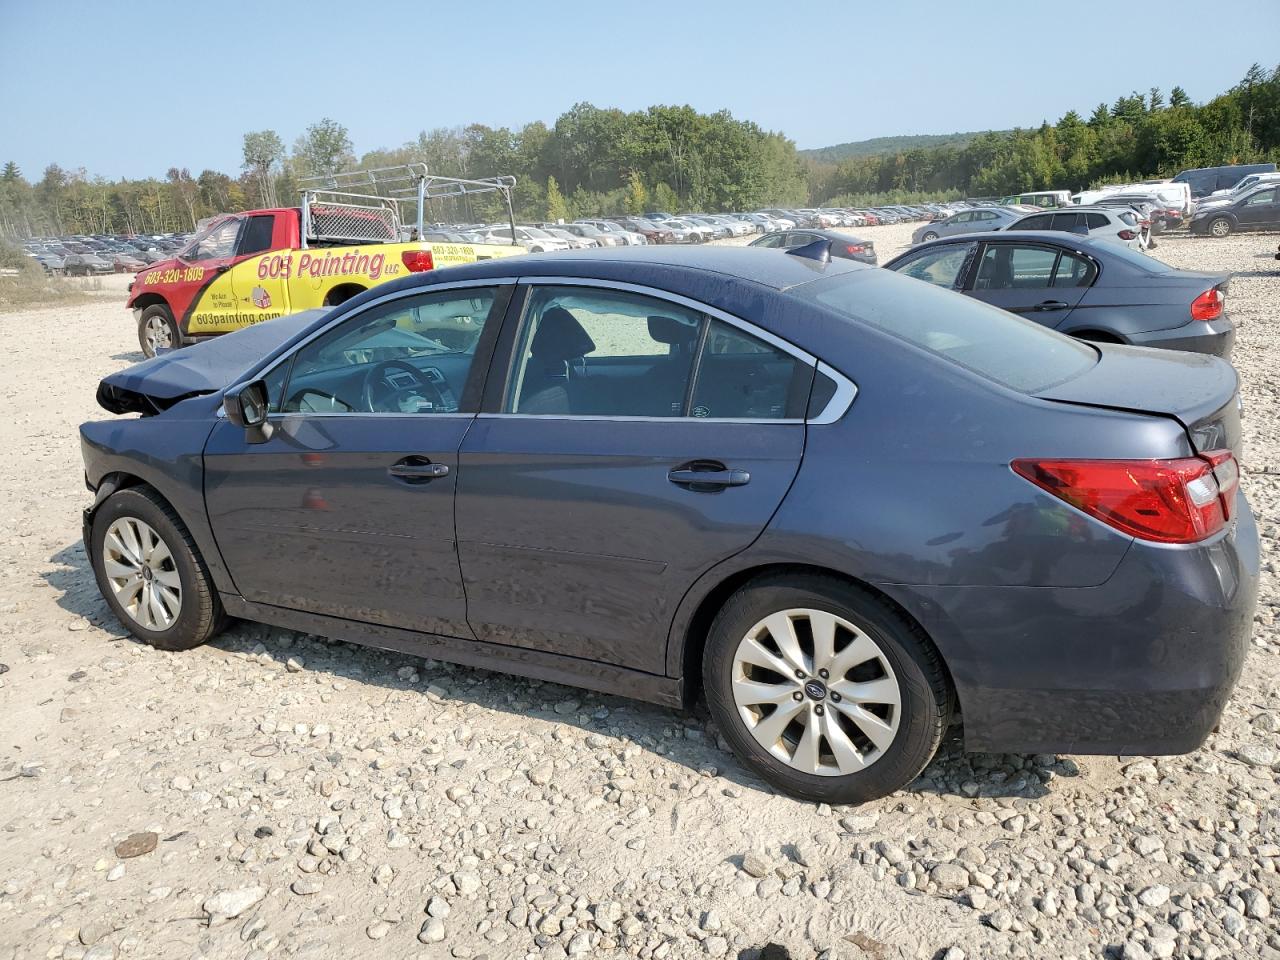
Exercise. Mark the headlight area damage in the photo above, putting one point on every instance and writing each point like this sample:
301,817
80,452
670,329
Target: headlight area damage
155,385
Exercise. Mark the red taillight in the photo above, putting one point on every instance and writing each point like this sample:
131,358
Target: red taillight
1127,235
1168,501
1207,306
854,248
416,261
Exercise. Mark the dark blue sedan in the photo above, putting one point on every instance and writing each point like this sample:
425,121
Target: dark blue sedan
841,505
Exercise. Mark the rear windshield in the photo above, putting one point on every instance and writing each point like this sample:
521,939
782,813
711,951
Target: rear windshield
1000,346
1136,258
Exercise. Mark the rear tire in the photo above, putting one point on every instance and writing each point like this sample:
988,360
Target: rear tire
151,573
860,727
1219,227
157,330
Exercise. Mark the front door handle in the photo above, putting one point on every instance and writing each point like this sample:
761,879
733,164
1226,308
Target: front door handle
1051,305
418,470
706,480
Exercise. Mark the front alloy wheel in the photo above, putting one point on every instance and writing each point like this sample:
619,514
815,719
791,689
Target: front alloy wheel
140,569
816,692
1220,227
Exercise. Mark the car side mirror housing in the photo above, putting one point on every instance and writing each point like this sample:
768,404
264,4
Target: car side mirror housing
246,405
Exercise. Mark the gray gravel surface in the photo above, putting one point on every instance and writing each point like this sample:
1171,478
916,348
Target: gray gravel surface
315,799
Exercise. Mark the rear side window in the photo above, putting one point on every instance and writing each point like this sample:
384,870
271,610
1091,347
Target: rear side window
1009,267
1073,271
1095,221
1038,222
1000,346
1065,221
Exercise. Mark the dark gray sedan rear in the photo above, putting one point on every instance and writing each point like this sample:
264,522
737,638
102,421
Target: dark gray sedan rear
1087,288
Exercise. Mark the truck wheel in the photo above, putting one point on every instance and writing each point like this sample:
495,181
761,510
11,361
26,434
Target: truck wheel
156,330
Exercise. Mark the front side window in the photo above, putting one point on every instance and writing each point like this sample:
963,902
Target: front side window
1262,196
941,266
593,352
217,244
256,236
412,355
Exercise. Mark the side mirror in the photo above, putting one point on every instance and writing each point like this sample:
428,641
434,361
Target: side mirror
246,405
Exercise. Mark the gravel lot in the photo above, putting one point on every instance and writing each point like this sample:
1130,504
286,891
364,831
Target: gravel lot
300,798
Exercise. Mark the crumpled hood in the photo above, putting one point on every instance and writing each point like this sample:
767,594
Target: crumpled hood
157,384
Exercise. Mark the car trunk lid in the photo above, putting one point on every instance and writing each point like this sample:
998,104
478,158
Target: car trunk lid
1199,391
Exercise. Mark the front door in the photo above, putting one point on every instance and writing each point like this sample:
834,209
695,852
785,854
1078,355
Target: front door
1260,211
213,308
1037,281
637,443
347,510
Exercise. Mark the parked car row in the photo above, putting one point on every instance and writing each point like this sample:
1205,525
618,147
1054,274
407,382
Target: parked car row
101,253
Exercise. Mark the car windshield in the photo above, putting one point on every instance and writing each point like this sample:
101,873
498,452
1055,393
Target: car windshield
1017,353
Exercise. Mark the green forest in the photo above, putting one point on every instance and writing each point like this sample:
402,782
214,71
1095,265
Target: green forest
595,161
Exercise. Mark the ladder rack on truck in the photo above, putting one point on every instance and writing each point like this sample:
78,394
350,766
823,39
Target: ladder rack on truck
364,206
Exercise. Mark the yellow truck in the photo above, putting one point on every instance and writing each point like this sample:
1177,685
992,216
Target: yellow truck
244,268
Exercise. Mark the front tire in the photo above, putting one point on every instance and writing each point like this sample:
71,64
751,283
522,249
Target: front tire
1219,227
151,573
824,689
928,237
157,330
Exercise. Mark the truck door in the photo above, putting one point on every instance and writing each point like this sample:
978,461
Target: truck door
259,279
213,308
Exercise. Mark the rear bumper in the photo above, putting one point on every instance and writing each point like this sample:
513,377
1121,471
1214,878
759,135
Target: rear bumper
1142,664
1215,337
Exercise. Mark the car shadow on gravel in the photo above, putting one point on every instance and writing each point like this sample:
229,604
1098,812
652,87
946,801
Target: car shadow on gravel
688,738
130,356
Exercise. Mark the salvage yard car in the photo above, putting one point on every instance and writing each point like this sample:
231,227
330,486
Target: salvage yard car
709,472
1087,287
249,267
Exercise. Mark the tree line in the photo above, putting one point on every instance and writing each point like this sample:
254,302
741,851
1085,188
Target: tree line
1138,136
594,161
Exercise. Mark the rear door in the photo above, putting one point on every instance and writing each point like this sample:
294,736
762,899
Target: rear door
1023,278
636,441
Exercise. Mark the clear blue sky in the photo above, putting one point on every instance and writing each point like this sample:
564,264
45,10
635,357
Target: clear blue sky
127,88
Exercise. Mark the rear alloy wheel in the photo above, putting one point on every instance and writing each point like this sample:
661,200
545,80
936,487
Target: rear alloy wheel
824,689
929,237
156,330
150,572
1220,227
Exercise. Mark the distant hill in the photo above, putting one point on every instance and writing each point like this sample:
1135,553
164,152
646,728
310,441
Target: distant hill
881,145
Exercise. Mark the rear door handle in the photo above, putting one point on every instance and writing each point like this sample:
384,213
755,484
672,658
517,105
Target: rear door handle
705,481
1051,305
418,470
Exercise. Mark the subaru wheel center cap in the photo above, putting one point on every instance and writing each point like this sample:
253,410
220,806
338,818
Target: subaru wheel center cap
815,689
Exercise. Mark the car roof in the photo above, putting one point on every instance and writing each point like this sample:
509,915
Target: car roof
639,265
1061,238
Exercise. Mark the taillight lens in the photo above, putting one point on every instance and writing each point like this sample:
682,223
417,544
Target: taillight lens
1127,235
416,261
854,248
1168,501
1207,306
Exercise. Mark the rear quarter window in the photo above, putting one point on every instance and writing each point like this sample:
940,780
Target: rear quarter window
1007,349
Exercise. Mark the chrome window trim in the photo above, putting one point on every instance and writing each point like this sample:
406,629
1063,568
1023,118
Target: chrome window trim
841,400
621,419
385,298
744,325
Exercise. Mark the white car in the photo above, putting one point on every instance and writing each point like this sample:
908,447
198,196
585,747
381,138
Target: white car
1115,224
683,231
533,239
625,238
576,243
